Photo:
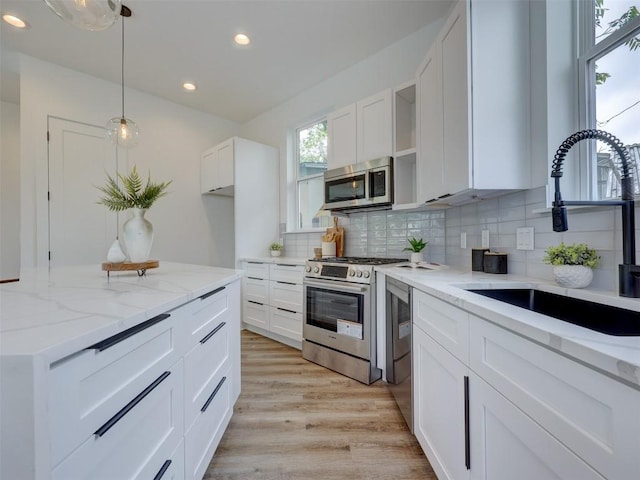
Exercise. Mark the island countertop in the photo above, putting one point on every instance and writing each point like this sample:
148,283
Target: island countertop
56,312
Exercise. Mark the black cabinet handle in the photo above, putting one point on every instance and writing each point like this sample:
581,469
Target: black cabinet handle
256,278
161,472
467,438
285,265
213,332
206,404
257,303
119,337
286,283
129,406
285,310
207,295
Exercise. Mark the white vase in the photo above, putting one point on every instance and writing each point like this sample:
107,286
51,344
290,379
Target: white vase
572,276
115,253
417,257
275,253
137,235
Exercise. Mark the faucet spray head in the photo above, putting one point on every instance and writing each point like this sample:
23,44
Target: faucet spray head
559,211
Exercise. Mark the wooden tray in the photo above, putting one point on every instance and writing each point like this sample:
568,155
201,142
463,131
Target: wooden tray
140,267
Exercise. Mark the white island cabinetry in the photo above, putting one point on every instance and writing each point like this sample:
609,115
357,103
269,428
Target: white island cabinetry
492,405
153,395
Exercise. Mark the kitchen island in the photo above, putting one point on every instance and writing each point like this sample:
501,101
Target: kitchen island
117,377
502,392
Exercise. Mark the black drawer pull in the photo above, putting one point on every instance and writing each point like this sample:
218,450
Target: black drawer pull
256,278
467,438
129,406
119,337
161,472
207,295
285,310
257,303
206,404
286,283
213,332
256,263
285,265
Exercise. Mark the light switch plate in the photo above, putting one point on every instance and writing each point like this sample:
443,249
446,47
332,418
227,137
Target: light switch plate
485,238
463,240
524,238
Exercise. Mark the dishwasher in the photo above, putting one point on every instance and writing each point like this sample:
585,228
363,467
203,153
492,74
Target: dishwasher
398,346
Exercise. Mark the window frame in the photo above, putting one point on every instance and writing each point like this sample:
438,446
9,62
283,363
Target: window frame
297,178
590,51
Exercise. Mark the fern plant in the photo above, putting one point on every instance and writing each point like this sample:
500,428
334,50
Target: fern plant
132,194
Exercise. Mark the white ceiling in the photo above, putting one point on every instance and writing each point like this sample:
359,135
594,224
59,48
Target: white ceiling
295,45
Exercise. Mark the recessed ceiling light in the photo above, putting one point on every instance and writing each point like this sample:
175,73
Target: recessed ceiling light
242,39
15,21
188,86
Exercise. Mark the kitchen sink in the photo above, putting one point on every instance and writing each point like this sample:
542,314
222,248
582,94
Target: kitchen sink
423,267
592,315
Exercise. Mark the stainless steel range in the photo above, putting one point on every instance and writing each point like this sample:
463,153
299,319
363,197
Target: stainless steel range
339,315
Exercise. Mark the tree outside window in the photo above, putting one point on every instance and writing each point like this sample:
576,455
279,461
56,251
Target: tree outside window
311,164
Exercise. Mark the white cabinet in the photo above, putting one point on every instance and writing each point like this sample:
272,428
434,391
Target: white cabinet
361,131
474,104
272,300
492,405
404,145
217,169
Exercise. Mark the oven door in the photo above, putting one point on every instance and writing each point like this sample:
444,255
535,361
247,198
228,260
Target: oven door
337,315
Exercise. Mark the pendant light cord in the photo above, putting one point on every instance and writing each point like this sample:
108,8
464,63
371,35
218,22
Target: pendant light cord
122,67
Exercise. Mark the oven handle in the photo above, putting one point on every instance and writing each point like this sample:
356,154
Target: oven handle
336,286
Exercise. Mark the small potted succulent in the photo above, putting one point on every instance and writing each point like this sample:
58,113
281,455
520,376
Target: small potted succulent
572,264
416,247
276,249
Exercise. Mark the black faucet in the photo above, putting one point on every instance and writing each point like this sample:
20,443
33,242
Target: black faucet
628,272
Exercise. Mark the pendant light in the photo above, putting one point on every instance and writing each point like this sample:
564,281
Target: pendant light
87,14
122,131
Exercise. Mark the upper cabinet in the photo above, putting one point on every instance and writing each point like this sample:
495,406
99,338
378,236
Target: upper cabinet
361,131
217,169
404,143
473,110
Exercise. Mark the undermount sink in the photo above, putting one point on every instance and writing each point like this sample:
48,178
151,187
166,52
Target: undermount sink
595,316
423,267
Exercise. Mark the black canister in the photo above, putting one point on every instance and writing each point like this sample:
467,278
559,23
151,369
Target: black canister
495,262
477,259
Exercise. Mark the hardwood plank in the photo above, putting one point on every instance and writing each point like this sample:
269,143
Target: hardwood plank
296,420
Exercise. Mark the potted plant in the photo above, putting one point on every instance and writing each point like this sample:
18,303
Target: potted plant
572,264
416,247
276,249
137,232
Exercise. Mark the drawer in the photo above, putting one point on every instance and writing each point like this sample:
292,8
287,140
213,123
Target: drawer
446,324
171,469
281,272
207,312
140,438
286,323
585,410
202,439
256,270
256,290
256,314
203,369
285,295
88,388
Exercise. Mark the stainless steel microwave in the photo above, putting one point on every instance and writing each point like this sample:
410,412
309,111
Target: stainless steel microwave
361,185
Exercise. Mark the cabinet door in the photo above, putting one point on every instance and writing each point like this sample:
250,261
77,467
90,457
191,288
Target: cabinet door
430,166
208,171
507,444
455,100
341,137
374,120
225,154
439,406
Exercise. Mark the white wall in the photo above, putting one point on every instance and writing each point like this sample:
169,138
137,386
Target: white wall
188,226
387,68
9,191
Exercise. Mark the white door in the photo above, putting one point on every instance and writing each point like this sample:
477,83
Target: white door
80,230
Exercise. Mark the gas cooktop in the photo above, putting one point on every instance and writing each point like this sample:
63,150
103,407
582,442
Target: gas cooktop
360,260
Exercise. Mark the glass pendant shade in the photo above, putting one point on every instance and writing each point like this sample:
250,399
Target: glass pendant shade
122,132
87,14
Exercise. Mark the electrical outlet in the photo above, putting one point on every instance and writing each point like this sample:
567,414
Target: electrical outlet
524,238
485,238
463,240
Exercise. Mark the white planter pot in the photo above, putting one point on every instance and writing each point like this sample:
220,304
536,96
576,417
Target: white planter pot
572,276
417,257
275,253
137,235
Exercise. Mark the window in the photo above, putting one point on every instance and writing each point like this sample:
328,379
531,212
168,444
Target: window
311,163
610,60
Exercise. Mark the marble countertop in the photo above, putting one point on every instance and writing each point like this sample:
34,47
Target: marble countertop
56,312
282,260
616,356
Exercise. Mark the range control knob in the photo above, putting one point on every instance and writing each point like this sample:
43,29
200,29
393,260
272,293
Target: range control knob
352,273
359,274
307,269
366,274
316,270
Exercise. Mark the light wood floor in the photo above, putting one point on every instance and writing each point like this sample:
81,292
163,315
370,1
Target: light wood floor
297,420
